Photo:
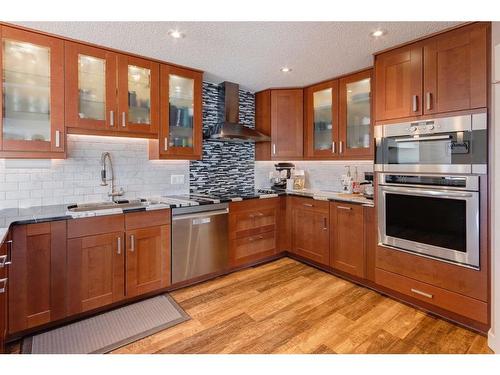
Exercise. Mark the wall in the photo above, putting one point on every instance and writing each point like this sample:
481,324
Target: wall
320,175
25,183
494,334
225,165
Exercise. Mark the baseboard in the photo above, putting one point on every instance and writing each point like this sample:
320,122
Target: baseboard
493,342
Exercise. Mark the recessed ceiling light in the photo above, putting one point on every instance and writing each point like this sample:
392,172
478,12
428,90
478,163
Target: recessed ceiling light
378,33
176,34
286,69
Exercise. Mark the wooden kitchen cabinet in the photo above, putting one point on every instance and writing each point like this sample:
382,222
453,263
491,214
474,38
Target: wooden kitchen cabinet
321,131
32,95
147,260
37,275
310,229
279,113
347,253
444,73
95,275
398,83
4,284
253,226
455,70
91,102
180,134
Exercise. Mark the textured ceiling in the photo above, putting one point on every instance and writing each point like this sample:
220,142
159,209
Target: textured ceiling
251,53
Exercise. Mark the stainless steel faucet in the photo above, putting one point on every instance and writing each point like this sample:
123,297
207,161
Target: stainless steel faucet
104,179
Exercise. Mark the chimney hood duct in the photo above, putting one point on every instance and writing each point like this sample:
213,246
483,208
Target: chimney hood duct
228,127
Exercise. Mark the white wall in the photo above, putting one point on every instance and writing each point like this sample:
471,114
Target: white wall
320,175
494,334
25,183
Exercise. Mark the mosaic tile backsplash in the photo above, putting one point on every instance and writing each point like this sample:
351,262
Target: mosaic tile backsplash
226,166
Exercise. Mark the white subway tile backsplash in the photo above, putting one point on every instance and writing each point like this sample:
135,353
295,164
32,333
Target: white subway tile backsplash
77,178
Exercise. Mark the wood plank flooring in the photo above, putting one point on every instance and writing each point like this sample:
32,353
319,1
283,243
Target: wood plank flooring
288,307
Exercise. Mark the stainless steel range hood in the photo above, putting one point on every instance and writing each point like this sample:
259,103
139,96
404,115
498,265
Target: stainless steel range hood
228,127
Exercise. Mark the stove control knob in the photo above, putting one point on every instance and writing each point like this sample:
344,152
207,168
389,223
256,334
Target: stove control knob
413,128
430,127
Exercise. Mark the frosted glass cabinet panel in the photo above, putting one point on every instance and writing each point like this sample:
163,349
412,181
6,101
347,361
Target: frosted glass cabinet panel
181,109
91,87
355,115
139,95
32,115
322,106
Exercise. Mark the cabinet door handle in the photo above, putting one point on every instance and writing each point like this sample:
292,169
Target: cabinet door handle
3,285
132,243
325,227
428,99
274,148
344,208
333,147
7,259
111,118
119,245
341,147
308,205
165,146
414,103
58,138
416,291
124,119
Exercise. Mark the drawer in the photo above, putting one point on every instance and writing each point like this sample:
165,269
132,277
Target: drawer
145,219
249,223
462,280
311,204
90,226
252,248
445,299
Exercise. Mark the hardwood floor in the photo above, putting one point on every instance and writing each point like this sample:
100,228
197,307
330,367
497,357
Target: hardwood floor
288,307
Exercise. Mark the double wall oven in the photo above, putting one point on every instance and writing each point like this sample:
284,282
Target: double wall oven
428,191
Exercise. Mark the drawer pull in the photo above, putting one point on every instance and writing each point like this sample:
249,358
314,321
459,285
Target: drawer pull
325,224
119,245
344,208
132,243
427,295
308,205
3,285
5,260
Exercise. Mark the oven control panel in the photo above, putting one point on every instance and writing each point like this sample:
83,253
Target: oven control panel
423,127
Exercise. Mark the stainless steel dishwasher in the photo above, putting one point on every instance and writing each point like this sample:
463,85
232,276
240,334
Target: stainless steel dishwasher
199,240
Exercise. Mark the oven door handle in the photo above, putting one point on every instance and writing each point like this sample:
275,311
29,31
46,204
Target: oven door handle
427,193
426,138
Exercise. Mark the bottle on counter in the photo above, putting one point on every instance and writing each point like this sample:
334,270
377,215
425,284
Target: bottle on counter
355,182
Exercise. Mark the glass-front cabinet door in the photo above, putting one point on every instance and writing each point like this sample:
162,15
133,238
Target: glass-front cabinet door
356,115
322,120
181,112
32,95
90,88
138,95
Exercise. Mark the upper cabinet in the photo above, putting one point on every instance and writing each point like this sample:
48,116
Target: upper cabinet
181,115
90,88
279,113
109,93
138,95
355,129
339,118
31,95
322,120
444,73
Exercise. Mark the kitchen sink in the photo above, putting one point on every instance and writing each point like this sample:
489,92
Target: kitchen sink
105,206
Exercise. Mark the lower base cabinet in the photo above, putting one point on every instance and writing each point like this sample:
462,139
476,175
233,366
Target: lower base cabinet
311,229
347,253
147,260
253,226
37,275
95,271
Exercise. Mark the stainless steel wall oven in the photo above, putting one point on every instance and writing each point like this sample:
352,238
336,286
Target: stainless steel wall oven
431,215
